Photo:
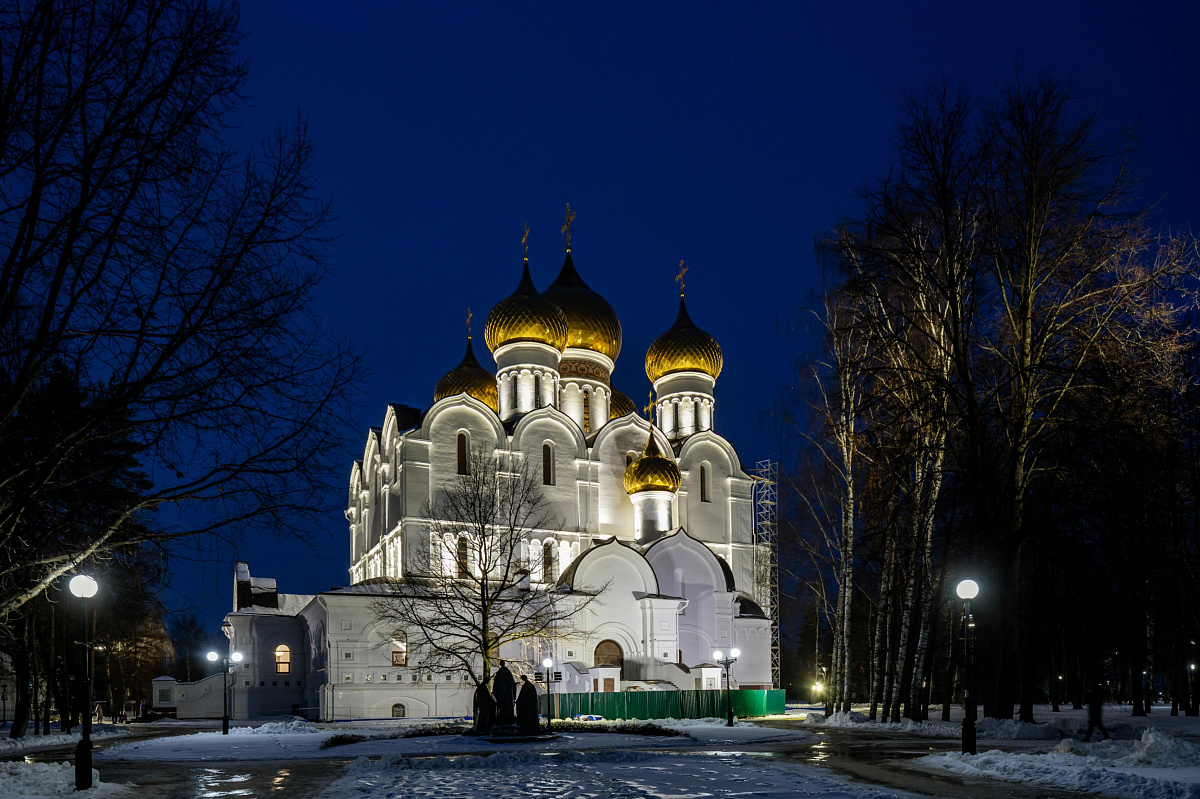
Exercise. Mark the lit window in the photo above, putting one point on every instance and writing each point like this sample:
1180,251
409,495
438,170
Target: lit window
283,659
399,648
398,711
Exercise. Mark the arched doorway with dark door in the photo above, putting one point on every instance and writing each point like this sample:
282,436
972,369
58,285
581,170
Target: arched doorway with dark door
608,653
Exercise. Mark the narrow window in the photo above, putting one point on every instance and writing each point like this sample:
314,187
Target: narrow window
461,558
399,648
283,659
547,560
587,411
704,494
512,380
537,391
628,459
464,466
547,465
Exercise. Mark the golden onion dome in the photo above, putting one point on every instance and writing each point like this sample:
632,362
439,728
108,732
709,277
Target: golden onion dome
620,405
469,377
525,315
683,348
592,324
653,471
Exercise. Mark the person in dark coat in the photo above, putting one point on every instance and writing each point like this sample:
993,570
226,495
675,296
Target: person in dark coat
484,709
1096,712
504,688
527,707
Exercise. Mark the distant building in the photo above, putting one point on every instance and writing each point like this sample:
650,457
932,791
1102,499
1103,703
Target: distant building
662,513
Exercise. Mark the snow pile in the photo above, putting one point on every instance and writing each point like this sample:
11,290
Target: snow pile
1158,766
682,724
22,780
276,728
28,742
856,720
1013,730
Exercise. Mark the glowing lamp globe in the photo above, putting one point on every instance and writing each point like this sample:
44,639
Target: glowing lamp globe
83,586
717,655
236,657
967,589
817,686
734,653
548,662
212,656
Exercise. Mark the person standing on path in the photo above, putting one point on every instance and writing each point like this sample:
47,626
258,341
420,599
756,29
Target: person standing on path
1096,712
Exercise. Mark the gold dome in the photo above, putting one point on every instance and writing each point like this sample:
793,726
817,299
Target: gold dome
525,315
653,471
592,324
620,405
469,377
683,348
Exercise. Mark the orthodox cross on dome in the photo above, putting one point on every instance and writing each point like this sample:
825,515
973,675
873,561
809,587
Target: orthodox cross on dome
649,406
566,228
469,315
683,268
525,241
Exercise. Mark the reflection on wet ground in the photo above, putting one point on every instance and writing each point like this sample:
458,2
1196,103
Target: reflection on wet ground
299,778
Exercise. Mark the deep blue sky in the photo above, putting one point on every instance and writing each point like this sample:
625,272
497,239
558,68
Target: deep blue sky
728,135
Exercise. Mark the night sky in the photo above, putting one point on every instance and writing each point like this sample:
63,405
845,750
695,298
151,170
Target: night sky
727,135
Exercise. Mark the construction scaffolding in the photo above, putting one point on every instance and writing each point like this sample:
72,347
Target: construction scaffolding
766,527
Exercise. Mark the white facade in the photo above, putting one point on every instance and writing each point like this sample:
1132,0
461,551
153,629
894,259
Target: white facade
679,565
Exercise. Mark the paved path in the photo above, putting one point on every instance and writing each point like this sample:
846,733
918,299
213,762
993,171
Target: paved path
875,758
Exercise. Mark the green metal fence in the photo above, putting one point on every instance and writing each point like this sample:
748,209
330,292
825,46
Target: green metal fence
668,704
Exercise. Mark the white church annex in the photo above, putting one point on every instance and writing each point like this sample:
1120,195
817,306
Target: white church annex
663,514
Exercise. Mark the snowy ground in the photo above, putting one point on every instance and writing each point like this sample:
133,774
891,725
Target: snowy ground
20,780
611,775
30,742
299,739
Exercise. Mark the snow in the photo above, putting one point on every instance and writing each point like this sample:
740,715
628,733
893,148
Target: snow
1158,765
299,739
853,719
613,775
29,742
20,780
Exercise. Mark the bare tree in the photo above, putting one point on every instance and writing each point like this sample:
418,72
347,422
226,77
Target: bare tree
169,273
471,592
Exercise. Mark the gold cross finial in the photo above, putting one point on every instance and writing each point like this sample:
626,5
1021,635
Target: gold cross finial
525,241
566,228
469,315
683,268
649,406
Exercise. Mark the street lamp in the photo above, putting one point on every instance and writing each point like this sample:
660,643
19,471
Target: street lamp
85,586
236,657
727,663
968,590
548,663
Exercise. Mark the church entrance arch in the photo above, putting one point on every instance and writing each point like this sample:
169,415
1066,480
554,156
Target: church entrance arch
608,653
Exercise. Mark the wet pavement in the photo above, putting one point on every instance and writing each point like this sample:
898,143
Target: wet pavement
880,759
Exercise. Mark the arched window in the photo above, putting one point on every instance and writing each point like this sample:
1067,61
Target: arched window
464,462
587,411
512,379
548,560
537,391
283,659
705,493
547,464
399,711
461,558
629,456
399,648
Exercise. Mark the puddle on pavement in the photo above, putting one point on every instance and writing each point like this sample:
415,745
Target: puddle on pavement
217,781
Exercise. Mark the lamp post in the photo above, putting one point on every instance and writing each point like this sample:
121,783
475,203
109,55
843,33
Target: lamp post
727,662
235,657
968,590
548,663
84,586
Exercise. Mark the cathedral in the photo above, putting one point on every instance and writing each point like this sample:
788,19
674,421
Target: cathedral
662,514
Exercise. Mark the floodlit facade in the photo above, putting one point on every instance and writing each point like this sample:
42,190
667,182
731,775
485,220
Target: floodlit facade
663,514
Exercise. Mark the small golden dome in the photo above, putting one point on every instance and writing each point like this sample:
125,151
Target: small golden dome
469,377
525,315
653,471
620,405
683,348
592,324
